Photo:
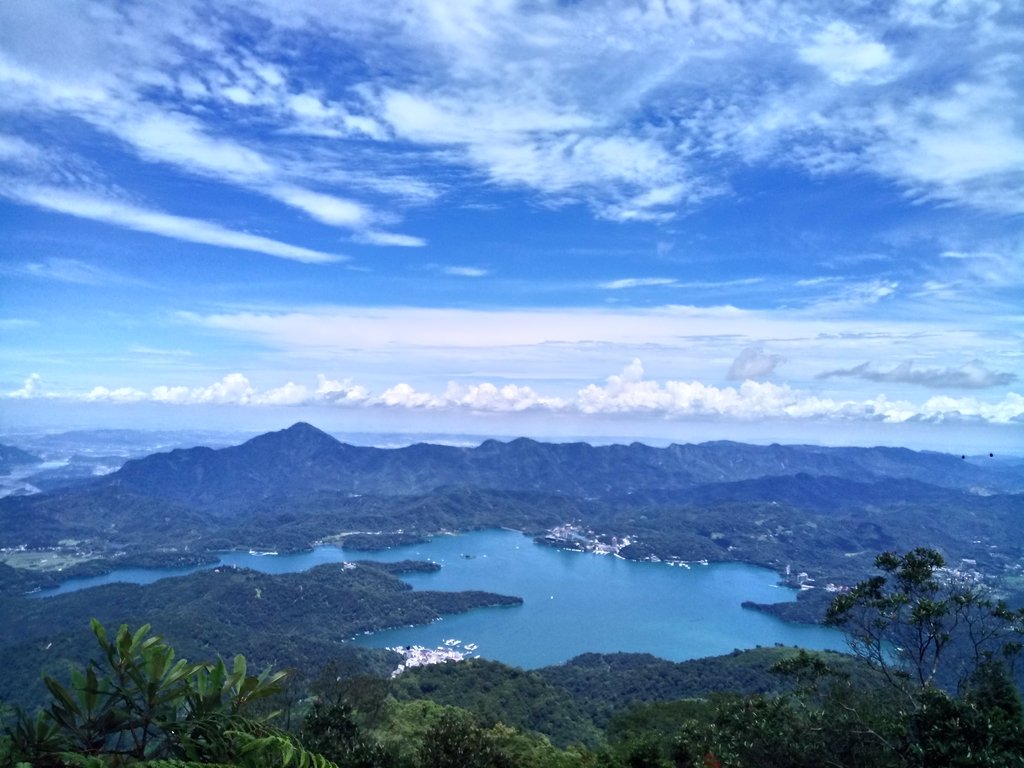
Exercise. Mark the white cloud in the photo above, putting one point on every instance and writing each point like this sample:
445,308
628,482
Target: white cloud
845,55
289,394
30,389
466,271
158,223
510,398
161,135
854,296
341,329
16,150
625,394
372,237
636,110
631,394
339,391
971,375
14,323
753,363
326,208
173,354
439,120
170,137
636,282
233,389
118,395
72,271
405,396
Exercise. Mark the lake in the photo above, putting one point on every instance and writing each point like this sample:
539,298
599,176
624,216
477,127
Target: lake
573,602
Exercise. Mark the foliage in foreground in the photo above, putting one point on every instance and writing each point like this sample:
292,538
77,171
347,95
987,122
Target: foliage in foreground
139,703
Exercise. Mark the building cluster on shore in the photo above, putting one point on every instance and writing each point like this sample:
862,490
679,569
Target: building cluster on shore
421,656
574,537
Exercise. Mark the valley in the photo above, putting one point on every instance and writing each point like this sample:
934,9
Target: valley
600,568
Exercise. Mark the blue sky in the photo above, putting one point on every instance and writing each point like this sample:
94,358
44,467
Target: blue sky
753,220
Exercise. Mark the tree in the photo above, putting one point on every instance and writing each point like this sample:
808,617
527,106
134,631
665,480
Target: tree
923,624
458,741
139,704
333,730
941,640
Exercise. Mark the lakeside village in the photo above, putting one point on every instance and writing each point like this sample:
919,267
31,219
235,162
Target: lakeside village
574,538
420,656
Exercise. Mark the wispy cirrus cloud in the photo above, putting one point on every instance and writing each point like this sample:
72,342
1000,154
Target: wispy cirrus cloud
118,98
71,271
118,213
373,237
700,335
643,282
14,323
853,296
648,113
458,271
971,375
636,282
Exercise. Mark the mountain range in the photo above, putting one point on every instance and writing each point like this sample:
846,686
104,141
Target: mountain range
302,459
826,511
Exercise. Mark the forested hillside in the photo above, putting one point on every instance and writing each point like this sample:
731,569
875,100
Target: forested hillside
820,511
819,517
137,703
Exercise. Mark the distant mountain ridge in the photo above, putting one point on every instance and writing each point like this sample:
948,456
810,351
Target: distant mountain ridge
303,459
797,508
11,457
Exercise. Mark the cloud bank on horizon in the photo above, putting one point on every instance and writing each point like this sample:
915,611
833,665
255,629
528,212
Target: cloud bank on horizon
625,394
786,210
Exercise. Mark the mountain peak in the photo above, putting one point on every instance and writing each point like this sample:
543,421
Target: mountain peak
304,428
299,434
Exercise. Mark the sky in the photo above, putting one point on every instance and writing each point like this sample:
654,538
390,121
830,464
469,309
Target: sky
798,221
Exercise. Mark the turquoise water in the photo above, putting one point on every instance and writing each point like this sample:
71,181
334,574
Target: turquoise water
573,602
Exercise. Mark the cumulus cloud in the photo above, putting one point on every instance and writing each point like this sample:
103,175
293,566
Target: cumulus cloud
753,363
405,396
28,390
970,375
510,398
339,391
233,389
630,393
236,389
118,395
627,393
